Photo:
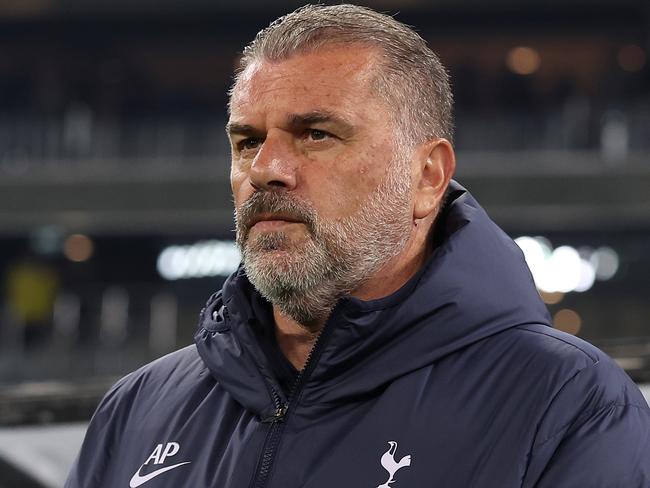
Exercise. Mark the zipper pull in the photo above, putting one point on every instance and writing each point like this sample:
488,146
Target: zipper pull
278,416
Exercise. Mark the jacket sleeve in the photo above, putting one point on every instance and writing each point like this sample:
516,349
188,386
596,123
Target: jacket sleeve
100,441
596,434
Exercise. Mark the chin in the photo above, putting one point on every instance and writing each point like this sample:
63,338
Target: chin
273,260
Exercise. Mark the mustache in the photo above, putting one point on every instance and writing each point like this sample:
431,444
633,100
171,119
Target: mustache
274,202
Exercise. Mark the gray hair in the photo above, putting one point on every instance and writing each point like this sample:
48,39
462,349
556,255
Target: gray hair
411,78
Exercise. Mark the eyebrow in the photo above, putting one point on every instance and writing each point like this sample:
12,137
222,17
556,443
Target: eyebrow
294,122
318,117
242,129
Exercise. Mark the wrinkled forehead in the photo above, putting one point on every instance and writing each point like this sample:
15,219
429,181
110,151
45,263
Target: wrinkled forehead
331,71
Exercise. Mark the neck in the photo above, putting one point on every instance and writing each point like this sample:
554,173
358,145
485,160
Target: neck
398,270
297,340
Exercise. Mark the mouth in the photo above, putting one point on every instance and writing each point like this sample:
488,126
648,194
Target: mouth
270,220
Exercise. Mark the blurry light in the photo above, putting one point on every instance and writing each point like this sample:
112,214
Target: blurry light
565,269
192,263
587,276
224,259
535,256
552,298
567,321
606,262
214,262
179,261
78,248
205,258
631,58
523,60
165,263
547,245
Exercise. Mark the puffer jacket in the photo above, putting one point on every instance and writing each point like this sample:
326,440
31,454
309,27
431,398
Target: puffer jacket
454,381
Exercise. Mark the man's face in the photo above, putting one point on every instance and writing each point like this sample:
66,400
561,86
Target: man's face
322,196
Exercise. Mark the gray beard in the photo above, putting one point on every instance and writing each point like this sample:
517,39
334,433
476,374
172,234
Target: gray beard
305,280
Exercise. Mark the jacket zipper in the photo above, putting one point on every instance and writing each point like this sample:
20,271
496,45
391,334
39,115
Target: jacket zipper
278,420
272,439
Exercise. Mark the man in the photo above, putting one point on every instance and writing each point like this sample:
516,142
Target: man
382,332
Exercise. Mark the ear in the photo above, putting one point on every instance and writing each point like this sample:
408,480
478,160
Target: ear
436,165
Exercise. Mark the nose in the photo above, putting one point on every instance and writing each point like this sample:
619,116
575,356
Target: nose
274,166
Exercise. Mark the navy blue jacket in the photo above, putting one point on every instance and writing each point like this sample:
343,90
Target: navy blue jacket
455,380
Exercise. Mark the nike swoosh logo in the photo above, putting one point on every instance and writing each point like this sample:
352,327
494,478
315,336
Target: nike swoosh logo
138,480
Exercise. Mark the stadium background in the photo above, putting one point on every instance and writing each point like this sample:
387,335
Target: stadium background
115,207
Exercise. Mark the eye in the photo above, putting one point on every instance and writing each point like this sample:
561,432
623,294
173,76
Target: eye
317,135
249,143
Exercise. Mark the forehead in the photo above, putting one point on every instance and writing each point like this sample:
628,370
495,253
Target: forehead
338,78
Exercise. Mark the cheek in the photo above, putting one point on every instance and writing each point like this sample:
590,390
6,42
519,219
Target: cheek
343,193
238,185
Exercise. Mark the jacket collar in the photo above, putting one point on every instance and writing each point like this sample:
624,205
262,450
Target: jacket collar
474,284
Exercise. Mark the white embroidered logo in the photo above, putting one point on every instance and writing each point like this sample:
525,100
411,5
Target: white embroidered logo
390,465
158,456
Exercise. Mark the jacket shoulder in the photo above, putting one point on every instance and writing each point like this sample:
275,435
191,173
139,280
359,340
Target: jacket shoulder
166,380
575,363
171,367
555,346
595,428
165,377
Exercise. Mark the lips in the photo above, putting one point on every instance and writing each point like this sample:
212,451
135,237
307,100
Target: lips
272,217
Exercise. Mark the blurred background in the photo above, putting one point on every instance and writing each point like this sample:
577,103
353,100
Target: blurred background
115,208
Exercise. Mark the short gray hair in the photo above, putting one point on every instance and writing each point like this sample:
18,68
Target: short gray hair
411,78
